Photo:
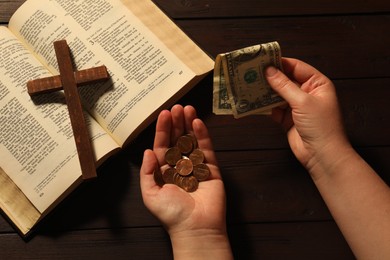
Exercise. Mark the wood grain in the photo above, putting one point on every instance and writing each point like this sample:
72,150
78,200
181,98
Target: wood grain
184,9
274,210
75,109
82,77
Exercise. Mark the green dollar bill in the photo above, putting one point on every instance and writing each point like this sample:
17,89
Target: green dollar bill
240,87
221,105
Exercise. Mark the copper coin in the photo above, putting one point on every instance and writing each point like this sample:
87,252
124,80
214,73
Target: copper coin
184,167
168,174
185,144
178,179
190,184
194,141
157,176
201,172
172,156
196,157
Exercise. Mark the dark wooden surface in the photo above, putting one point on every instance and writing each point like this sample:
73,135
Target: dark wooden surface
274,211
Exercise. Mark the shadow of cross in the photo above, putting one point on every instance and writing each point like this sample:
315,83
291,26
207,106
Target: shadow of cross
68,80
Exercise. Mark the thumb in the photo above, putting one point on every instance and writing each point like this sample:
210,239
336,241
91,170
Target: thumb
149,165
283,85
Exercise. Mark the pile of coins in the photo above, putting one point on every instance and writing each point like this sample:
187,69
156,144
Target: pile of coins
186,165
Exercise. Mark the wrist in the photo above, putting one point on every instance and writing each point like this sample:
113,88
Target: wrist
329,159
201,244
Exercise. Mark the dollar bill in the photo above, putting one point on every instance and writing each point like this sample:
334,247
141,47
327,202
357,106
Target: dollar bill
221,104
240,87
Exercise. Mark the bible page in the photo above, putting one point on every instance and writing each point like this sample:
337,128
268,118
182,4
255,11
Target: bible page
37,147
145,73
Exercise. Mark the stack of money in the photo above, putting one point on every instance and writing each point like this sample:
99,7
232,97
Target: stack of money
186,165
240,87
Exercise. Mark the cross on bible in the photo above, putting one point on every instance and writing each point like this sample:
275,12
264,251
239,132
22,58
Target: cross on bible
68,80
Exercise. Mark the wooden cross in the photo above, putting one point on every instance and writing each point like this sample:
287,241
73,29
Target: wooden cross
68,80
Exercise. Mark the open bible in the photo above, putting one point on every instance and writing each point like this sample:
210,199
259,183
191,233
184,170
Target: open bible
152,63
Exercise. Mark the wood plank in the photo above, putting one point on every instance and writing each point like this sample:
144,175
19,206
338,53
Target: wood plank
341,47
310,240
317,240
7,8
351,46
143,243
268,186
245,8
363,102
261,186
274,209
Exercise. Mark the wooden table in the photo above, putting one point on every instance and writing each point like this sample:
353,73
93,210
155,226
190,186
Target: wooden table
274,211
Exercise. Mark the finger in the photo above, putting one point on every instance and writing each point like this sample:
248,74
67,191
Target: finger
189,117
298,70
149,165
163,129
304,75
204,140
178,126
284,86
205,144
163,135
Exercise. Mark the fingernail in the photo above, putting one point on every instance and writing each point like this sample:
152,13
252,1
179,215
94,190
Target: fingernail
270,71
